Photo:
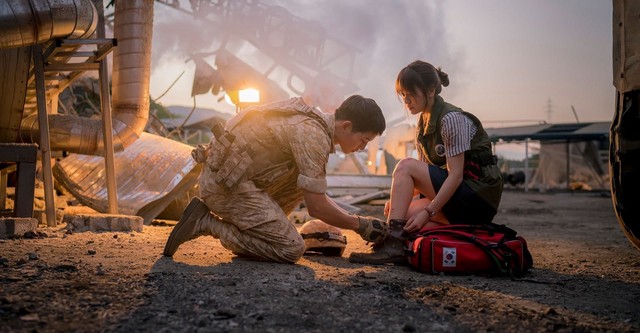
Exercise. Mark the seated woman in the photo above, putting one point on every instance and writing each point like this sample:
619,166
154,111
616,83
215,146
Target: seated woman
455,178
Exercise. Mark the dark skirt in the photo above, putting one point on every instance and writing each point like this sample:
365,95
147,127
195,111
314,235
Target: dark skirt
465,206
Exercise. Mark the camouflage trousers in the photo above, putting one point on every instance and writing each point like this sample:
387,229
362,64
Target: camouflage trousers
251,223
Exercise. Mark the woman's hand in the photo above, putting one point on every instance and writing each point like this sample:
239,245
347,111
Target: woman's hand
387,206
417,221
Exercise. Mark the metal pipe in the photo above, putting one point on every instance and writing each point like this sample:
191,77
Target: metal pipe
130,82
24,23
133,27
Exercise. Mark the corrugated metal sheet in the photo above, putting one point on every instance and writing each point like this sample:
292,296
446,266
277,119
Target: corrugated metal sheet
151,175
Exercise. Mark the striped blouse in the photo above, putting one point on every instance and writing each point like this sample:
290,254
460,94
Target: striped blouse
457,131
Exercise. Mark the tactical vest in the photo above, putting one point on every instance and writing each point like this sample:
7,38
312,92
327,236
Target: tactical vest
234,147
481,171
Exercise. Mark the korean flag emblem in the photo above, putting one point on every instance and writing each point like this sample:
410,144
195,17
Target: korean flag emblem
448,257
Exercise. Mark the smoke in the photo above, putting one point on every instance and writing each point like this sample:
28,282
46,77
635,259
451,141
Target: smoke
383,36
381,29
389,35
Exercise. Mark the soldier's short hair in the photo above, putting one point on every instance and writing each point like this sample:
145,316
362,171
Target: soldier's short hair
364,113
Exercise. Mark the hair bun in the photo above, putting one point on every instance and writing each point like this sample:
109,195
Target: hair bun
444,77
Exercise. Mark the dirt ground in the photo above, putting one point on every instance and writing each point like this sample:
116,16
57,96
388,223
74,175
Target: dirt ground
586,278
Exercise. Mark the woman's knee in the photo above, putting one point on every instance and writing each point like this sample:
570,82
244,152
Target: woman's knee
404,167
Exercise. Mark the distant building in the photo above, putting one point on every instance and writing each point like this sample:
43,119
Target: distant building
571,156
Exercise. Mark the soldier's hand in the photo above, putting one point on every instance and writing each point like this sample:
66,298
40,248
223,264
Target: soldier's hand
372,229
199,153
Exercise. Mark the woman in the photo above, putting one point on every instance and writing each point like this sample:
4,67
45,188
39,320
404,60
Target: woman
455,179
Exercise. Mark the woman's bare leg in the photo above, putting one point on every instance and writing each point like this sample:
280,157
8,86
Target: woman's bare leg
409,174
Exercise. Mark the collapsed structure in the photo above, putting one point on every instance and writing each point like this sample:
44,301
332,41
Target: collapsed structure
45,45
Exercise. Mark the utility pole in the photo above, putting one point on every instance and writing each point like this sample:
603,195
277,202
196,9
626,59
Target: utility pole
549,110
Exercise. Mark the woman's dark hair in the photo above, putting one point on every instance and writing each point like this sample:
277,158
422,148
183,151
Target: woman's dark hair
422,76
364,113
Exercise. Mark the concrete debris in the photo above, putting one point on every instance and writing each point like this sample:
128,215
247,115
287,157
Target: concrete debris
12,227
105,222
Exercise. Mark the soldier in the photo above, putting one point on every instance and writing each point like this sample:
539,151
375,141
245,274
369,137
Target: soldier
260,166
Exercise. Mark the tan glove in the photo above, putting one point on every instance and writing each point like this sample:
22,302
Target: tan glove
372,229
199,154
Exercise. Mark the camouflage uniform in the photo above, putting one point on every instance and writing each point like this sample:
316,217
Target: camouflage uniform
255,174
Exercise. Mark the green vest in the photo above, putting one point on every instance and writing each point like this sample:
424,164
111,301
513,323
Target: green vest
430,148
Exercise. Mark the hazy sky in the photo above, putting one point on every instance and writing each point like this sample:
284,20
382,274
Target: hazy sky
509,62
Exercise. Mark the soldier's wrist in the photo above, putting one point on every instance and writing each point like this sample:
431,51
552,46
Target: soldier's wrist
360,226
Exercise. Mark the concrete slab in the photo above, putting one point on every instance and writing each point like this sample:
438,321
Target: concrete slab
105,222
17,226
72,211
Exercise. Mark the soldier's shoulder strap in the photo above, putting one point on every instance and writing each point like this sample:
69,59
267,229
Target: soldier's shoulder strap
294,105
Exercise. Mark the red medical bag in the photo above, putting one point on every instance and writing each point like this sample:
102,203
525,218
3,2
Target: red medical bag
469,249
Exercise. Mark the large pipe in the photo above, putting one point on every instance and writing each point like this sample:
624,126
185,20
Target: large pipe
133,27
24,23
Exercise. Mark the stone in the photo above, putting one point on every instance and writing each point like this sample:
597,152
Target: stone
11,227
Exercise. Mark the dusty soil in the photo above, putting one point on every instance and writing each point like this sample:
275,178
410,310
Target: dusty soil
586,277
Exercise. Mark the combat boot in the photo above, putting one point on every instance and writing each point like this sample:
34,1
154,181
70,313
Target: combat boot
389,251
196,221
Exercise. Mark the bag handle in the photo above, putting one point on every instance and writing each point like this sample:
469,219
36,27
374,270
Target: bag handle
490,227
